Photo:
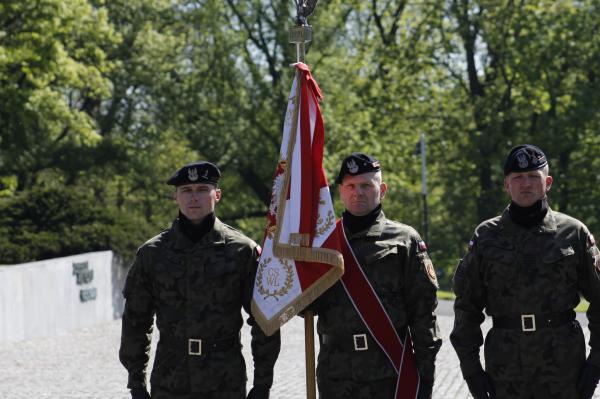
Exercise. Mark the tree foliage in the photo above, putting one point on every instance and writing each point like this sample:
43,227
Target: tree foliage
49,222
52,70
110,97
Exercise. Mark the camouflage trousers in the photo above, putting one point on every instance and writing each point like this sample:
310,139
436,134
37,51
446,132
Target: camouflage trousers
349,389
224,392
541,390
544,364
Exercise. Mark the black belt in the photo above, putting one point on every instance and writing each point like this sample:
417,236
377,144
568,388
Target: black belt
534,322
198,346
348,342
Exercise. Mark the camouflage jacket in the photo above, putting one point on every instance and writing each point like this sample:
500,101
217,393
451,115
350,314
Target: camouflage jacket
196,291
510,271
402,275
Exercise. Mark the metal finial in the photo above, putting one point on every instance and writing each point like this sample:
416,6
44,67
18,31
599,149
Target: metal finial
304,8
301,34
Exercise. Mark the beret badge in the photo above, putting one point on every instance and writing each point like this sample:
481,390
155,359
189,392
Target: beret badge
193,174
522,161
352,166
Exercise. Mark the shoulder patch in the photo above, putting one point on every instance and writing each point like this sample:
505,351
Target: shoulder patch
430,271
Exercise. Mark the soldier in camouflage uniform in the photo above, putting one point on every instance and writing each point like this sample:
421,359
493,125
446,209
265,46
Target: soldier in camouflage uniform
527,268
396,263
194,277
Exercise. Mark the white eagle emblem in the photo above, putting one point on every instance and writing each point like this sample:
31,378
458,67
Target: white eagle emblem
352,166
192,174
522,160
276,193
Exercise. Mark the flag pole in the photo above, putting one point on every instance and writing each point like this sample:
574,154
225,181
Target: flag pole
300,35
309,351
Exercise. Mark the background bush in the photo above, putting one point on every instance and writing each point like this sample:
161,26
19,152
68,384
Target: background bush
46,223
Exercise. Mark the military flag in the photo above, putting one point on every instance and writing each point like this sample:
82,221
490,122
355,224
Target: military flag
301,255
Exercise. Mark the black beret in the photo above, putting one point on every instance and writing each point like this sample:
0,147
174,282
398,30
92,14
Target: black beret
196,172
524,158
357,163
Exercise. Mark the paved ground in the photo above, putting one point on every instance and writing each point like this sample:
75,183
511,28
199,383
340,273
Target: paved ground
84,364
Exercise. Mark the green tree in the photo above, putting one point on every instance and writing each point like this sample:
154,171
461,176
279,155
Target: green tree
49,222
52,70
110,97
515,72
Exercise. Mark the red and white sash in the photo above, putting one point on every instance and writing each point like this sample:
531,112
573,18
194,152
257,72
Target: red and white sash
373,314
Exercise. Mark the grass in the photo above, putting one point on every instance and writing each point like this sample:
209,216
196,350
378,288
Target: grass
583,306
449,295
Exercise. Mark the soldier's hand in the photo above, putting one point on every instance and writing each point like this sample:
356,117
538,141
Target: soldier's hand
425,389
481,385
588,380
139,393
259,392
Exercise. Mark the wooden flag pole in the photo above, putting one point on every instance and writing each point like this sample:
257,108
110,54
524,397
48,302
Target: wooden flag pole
309,351
300,35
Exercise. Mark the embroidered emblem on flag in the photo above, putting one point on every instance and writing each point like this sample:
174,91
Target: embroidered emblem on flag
301,255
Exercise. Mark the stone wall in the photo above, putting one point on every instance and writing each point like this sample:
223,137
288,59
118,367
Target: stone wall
54,296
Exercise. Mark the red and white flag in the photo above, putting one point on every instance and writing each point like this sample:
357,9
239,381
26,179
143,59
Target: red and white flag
301,255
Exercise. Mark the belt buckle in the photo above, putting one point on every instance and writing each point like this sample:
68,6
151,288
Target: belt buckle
525,319
357,343
191,349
